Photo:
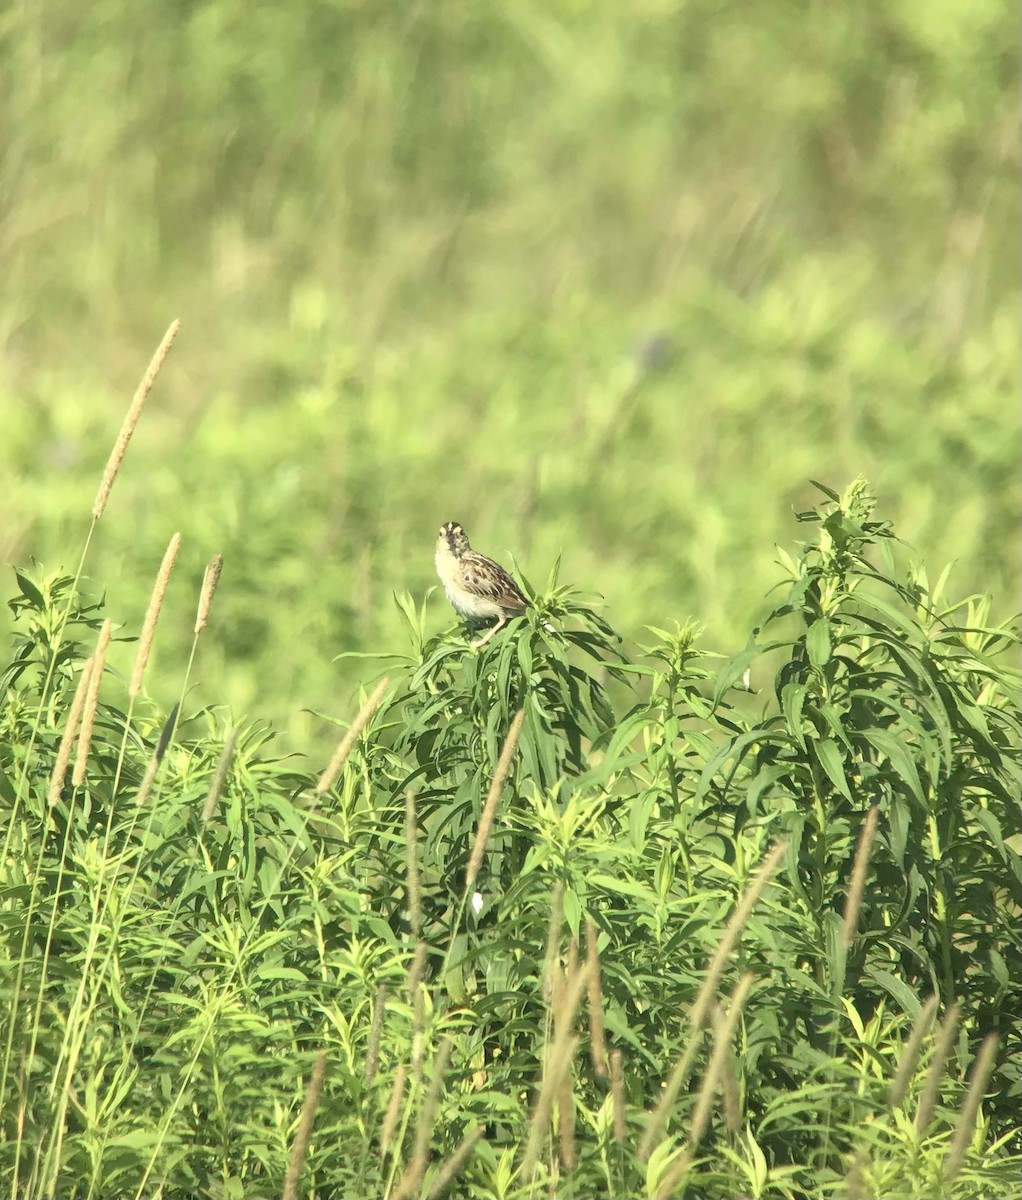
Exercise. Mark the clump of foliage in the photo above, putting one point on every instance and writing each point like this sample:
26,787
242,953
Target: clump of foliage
561,916
553,270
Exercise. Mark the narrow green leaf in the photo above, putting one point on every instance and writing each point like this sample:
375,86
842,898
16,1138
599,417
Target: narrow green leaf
992,827
793,698
897,754
893,614
736,667
623,887
905,997
828,492
29,590
898,824
829,758
818,643
736,749
832,717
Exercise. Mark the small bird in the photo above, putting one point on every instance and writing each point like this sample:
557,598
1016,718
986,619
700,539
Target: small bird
477,587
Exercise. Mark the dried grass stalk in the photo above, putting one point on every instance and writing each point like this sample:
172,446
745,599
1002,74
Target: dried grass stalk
557,988
219,780
347,743
910,1055
715,1067
705,998
551,967
166,733
566,1124
728,1079
91,704
617,1093
931,1088
856,1178
375,1032
657,1123
571,959
74,717
854,899
500,775
397,1095
412,861
145,641
305,1123
731,934
966,1123
146,785
113,464
450,1167
411,1181
597,1038
557,1064
670,1183
412,983
210,579
416,967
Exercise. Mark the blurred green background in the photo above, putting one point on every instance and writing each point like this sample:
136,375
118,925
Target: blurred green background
610,281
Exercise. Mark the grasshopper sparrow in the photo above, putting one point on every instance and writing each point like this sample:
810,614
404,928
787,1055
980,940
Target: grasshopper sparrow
477,587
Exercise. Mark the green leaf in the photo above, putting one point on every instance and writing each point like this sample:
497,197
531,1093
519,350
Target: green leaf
899,824
829,758
837,955
736,748
992,827
828,492
832,717
906,998
626,732
898,756
30,591
736,667
623,887
793,698
894,615
767,777
818,643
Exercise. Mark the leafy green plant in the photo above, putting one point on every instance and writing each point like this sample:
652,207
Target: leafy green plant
557,915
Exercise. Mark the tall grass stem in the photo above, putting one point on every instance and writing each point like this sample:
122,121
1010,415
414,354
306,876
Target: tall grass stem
304,1132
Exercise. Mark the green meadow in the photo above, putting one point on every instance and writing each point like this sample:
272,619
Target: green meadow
703,878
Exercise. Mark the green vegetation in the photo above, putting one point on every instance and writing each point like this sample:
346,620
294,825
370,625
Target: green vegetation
514,940
422,257
633,901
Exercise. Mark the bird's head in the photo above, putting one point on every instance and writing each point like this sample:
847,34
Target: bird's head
452,539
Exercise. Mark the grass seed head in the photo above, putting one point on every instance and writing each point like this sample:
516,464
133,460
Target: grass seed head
67,741
145,641
113,464
91,704
210,579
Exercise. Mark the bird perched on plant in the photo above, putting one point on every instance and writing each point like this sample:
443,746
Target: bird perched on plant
477,587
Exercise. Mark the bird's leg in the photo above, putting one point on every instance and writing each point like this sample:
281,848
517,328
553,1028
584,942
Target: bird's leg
501,622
